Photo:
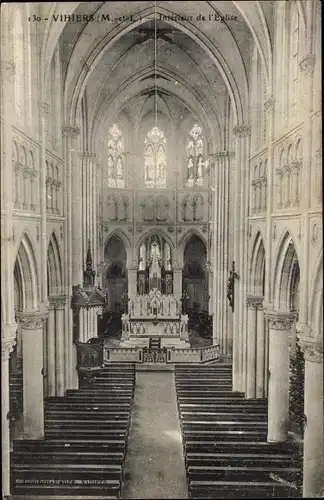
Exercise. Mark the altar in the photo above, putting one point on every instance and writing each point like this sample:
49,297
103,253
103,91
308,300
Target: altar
154,315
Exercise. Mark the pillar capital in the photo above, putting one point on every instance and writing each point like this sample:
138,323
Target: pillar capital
269,105
222,154
57,301
241,131
8,340
44,107
307,64
313,348
254,301
280,321
8,69
70,131
133,266
32,320
87,154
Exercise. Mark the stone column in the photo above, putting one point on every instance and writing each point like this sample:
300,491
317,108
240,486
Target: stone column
132,279
59,344
18,168
252,304
33,189
242,133
73,267
51,382
260,352
278,397
313,470
33,394
177,283
8,336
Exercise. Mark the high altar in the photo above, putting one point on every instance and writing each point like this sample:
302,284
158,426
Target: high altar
154,311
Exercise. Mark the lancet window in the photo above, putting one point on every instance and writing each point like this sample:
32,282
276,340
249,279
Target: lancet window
155,159
195,157
116,158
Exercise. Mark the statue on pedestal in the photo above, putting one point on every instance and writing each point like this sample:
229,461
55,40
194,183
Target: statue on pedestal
155,266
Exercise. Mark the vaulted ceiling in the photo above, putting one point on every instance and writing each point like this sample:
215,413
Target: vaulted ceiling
193,66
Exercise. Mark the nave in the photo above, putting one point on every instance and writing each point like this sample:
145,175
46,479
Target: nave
155,434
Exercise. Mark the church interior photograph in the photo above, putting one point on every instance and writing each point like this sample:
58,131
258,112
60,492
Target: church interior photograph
161,250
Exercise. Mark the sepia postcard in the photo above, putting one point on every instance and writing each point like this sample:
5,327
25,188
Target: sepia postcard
161,250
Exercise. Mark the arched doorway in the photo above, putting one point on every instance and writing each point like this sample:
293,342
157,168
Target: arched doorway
257,338
195,283
286,298
26,298
115,283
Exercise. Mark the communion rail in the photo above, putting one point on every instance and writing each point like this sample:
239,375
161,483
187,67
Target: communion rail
96,355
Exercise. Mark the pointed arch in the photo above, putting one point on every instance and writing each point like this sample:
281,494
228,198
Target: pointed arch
286,272
54,266
124,239
185,239
257,266
152,232
27,266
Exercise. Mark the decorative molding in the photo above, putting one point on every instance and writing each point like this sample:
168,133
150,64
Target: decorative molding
222,154
57,301
44,107
313,349
269,105
254,301
33,173
69,131
86,154
280,321
8,68
307,64
8,340
32,320
242,131
18,167
133,266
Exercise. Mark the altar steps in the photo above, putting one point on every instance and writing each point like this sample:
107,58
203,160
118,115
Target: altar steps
83,452
225,440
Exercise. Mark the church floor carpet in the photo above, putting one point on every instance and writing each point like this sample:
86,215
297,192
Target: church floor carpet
154,465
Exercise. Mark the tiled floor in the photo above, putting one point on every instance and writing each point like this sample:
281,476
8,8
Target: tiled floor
154,464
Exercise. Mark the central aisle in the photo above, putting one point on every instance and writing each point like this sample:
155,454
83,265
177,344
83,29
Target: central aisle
154,464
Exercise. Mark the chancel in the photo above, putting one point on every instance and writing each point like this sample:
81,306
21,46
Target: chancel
161,223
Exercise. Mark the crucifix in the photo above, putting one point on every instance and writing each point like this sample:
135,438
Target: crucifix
230,285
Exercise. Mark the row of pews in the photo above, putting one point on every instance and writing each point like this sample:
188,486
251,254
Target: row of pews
225,440
84,447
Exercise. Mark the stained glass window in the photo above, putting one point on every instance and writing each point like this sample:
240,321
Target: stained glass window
116,158
155,159
195,157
